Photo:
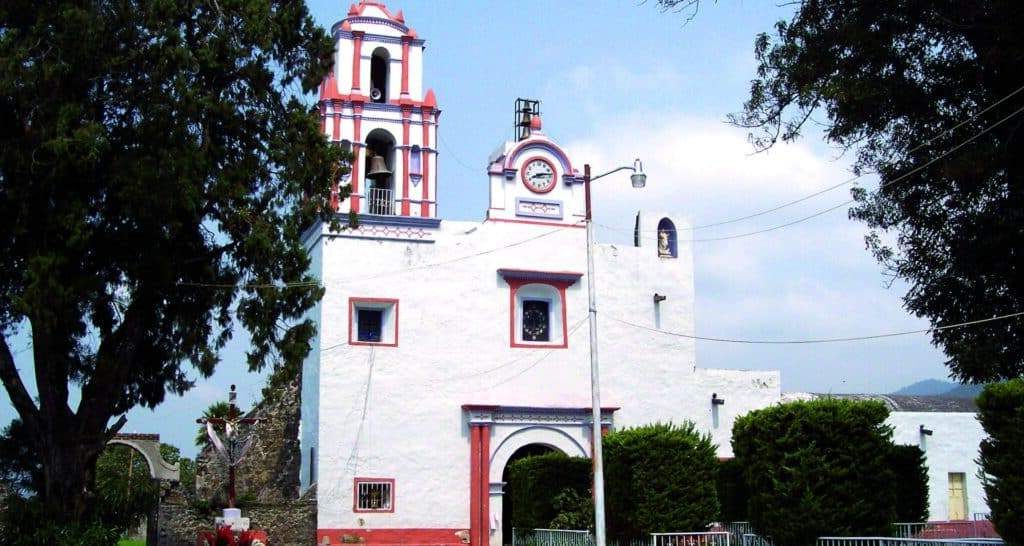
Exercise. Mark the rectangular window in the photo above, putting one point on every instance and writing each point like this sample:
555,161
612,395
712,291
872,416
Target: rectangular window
374,495
371,322
536,320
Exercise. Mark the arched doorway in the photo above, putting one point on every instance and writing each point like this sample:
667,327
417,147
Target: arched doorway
528,450
145,468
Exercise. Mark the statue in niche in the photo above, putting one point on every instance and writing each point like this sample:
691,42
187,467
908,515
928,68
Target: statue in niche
664,251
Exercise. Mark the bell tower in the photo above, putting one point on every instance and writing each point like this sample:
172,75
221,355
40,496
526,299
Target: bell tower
373,103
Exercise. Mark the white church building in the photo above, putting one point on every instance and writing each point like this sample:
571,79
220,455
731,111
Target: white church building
447,347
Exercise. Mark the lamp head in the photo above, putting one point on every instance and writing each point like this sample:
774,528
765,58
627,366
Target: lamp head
638,178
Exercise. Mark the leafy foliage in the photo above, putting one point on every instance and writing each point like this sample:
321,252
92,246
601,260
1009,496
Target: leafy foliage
659,478
19,463
126,491
732,491
573,510
156,175
894,80
534,484
817,468
1001,412
216,410
910,465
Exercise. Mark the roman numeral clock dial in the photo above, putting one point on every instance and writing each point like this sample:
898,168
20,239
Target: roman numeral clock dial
539,175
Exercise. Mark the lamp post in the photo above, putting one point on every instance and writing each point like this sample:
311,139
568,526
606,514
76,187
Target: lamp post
639,180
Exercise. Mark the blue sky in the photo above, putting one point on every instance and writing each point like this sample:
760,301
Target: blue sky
618,80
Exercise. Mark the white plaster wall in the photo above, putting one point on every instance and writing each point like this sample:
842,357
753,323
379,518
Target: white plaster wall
454,350
343,66
952,447
416,72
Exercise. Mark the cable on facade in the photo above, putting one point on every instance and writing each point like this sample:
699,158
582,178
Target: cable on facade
539,360
820,340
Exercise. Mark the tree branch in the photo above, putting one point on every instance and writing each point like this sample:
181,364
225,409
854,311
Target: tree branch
16,388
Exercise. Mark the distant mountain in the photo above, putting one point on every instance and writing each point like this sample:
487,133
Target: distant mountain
938,387
928,387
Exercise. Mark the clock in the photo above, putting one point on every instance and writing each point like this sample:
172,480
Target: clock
539,175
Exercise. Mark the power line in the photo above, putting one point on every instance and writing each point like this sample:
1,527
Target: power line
854,178
820,340
898,179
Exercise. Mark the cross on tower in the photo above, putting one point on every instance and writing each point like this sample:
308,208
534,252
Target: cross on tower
230,449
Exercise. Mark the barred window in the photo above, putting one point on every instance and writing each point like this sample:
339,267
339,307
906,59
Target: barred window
374,495
536,320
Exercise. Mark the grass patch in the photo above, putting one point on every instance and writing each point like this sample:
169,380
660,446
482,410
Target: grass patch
131,542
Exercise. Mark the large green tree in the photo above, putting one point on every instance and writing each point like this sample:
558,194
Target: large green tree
889,81
156,174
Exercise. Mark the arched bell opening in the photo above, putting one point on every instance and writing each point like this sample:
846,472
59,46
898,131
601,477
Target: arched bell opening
379,172
379,69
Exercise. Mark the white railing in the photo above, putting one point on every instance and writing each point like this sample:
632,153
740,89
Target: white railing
379,201
888,541
736,530
551,537
751,539
711,538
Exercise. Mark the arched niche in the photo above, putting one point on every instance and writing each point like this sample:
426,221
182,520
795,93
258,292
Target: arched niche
668,246
380,68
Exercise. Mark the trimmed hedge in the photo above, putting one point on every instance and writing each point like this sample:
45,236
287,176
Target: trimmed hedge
659,478
817,468
1001,412
732,491
908,463
535,482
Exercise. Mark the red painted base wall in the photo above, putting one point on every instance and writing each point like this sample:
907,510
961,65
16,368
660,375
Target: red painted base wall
420,537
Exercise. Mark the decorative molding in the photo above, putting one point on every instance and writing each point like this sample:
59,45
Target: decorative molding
568,278
539,208
523,415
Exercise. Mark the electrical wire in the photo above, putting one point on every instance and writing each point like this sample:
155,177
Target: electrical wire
927,142
539,360
896,180
820,340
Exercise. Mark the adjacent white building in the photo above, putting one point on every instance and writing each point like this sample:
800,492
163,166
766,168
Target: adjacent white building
445,349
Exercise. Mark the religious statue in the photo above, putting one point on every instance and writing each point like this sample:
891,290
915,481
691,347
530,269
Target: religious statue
664,251
231,528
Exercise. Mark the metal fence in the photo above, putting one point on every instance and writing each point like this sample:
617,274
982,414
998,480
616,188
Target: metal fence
890,541
709,538
751,539
551,537
978,528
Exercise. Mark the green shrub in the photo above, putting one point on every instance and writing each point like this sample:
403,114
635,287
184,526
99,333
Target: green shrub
659,478
817,468
732,491
1001,412
911,491
26,524
535,482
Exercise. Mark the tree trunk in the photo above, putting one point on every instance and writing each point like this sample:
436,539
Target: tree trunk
69,463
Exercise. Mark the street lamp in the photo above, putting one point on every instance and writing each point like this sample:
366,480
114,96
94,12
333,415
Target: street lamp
639,180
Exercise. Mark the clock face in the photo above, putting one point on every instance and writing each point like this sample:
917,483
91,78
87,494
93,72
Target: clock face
539,175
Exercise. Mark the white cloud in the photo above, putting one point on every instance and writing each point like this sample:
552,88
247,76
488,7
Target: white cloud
810,280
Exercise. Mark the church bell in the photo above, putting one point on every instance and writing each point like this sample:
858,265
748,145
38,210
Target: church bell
378,168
